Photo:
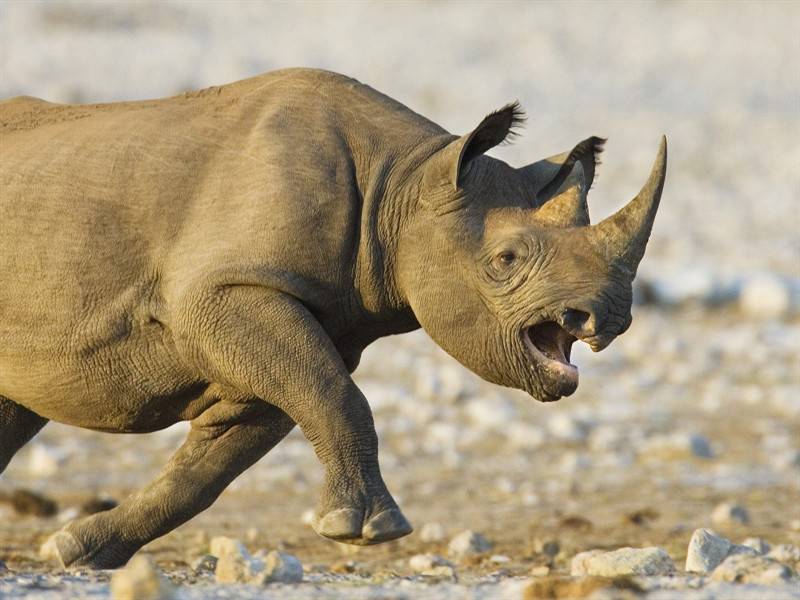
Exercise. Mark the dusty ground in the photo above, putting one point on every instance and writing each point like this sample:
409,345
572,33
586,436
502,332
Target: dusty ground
697,404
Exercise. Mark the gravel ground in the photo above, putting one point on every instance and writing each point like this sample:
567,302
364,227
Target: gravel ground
698,404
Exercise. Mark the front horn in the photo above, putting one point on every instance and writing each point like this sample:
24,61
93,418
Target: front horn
623,236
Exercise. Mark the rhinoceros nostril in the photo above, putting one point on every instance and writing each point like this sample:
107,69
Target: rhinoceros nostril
577,322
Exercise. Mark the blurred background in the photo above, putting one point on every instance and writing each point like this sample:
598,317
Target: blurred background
697,404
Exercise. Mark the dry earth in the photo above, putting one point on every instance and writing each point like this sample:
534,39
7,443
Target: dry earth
699,403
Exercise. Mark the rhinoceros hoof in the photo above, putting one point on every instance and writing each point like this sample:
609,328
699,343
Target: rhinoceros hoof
346,525
62,547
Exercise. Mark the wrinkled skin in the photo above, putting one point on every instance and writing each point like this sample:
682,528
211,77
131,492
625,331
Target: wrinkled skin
224,257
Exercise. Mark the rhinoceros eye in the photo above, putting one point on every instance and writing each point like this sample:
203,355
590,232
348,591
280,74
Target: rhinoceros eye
506,258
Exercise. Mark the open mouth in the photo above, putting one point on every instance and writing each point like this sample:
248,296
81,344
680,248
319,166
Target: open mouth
550,345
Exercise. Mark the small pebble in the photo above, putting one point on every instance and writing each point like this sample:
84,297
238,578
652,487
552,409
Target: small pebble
706,550
547,547
420,563
308,517
280,567
205,564
468,543
729,513
499,559
140,580
625,561
432,533
744,568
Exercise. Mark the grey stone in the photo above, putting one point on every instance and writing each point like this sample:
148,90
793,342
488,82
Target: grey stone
765,296
706,550
625,561
745,568
234,562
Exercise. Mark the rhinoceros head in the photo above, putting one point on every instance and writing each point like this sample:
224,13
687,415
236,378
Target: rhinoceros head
502,267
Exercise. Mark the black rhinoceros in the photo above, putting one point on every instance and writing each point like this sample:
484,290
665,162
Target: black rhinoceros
223,257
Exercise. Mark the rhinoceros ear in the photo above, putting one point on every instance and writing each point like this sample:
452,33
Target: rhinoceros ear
495,129
546,177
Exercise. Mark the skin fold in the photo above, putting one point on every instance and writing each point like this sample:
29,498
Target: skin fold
225,256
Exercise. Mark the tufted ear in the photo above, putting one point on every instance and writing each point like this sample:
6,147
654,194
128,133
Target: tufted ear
545,177
495,129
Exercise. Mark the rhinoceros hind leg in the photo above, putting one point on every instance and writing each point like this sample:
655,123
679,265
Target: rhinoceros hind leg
17,426
224,441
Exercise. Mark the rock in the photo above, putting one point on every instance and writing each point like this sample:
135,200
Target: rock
442,571
765,296
787,554
729,513
549,548
625,561
420,563
706,551
26,502
499,559
744,568
432,532
234,562
205,564
140,580
221,545
468,543
280,567
758,544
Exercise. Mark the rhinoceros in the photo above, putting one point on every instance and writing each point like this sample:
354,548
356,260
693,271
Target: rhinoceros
223,257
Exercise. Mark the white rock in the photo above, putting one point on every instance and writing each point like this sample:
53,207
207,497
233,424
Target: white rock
744,568
140,580
420,563
765,296
625,561
758,544
468,543
706,550
234,562
729,513
221,545
788,554
280,567
432,532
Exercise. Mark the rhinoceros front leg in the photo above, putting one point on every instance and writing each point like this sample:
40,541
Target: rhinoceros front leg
223,442
268,344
